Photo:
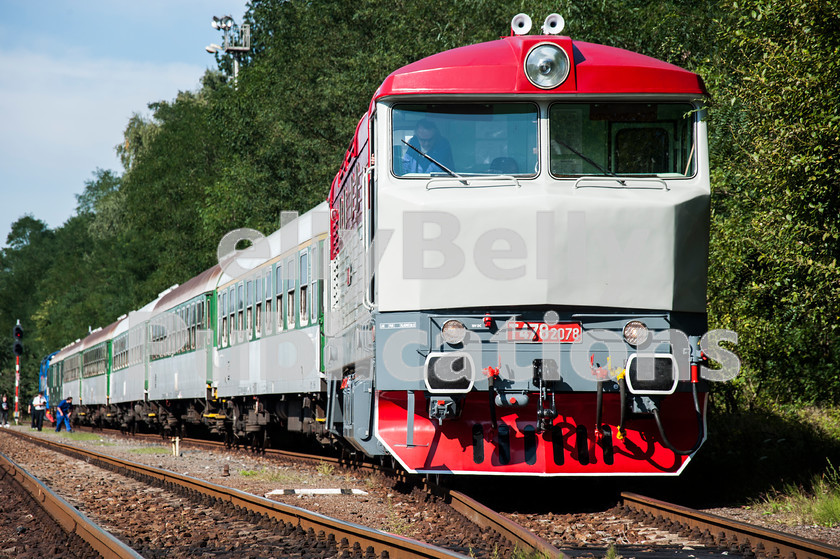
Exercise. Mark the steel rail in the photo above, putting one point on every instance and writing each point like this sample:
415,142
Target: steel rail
219,445
68,517
472,510
733,533
524,539
397,547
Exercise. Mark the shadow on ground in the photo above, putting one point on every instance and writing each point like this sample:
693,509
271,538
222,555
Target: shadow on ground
746,455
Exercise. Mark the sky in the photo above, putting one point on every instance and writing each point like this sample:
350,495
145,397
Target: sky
72,72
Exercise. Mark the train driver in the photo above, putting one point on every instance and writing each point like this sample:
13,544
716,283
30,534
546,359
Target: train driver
427,139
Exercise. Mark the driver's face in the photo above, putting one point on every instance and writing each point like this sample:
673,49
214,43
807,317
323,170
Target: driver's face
426,136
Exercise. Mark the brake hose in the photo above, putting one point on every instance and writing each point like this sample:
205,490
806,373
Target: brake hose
700,427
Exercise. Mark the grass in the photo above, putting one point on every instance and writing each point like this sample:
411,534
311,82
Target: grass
815,503
79,436
325,469
520,554
395,523
752,454
150,450
517,554
274,475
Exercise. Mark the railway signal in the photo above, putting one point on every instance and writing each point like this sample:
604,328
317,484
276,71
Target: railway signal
18,335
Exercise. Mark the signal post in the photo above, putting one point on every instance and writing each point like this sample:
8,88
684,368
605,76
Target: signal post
18,349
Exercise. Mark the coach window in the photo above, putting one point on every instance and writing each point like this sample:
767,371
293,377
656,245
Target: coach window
249,316
185,330
278,285
261,296
167,334
189,315
182,344
194,312
231,314
258,308
193,324
304,290
290,294
187,345
179,325
178,342
120,349
200,338
184,341
472,139
231,309
258,295
628,139
224,325
240,312
315,266
269,319
189,312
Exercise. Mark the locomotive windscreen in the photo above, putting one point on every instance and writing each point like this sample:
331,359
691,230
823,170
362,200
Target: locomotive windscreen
467,138
653,139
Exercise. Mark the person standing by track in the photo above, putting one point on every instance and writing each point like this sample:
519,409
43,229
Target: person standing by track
63,412
4,412
39,406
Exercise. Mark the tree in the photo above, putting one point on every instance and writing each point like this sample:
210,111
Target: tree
776,239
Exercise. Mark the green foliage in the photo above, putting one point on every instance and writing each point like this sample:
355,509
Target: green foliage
776,144
816,503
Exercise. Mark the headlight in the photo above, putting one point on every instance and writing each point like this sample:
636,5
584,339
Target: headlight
635,333
547,66
453,332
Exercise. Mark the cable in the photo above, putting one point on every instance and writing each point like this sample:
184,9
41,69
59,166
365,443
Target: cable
700,427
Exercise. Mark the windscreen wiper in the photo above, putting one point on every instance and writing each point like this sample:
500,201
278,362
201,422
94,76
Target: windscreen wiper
449,171
591,162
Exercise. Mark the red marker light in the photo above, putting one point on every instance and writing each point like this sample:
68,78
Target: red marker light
488,320
513,400
441,402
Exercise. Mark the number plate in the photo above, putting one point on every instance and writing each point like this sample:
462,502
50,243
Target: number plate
563,333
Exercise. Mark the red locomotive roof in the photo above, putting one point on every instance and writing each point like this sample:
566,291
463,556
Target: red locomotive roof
496,67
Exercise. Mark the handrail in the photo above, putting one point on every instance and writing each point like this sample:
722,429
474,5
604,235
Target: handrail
474,182
367,301
622,182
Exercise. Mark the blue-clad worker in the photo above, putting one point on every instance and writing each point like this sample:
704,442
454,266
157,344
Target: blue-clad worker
65,408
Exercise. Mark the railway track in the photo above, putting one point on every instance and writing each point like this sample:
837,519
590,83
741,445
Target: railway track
323,532
720,536
521,538
80,538
736,536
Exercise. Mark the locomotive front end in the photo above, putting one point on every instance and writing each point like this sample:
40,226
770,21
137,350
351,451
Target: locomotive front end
520,244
